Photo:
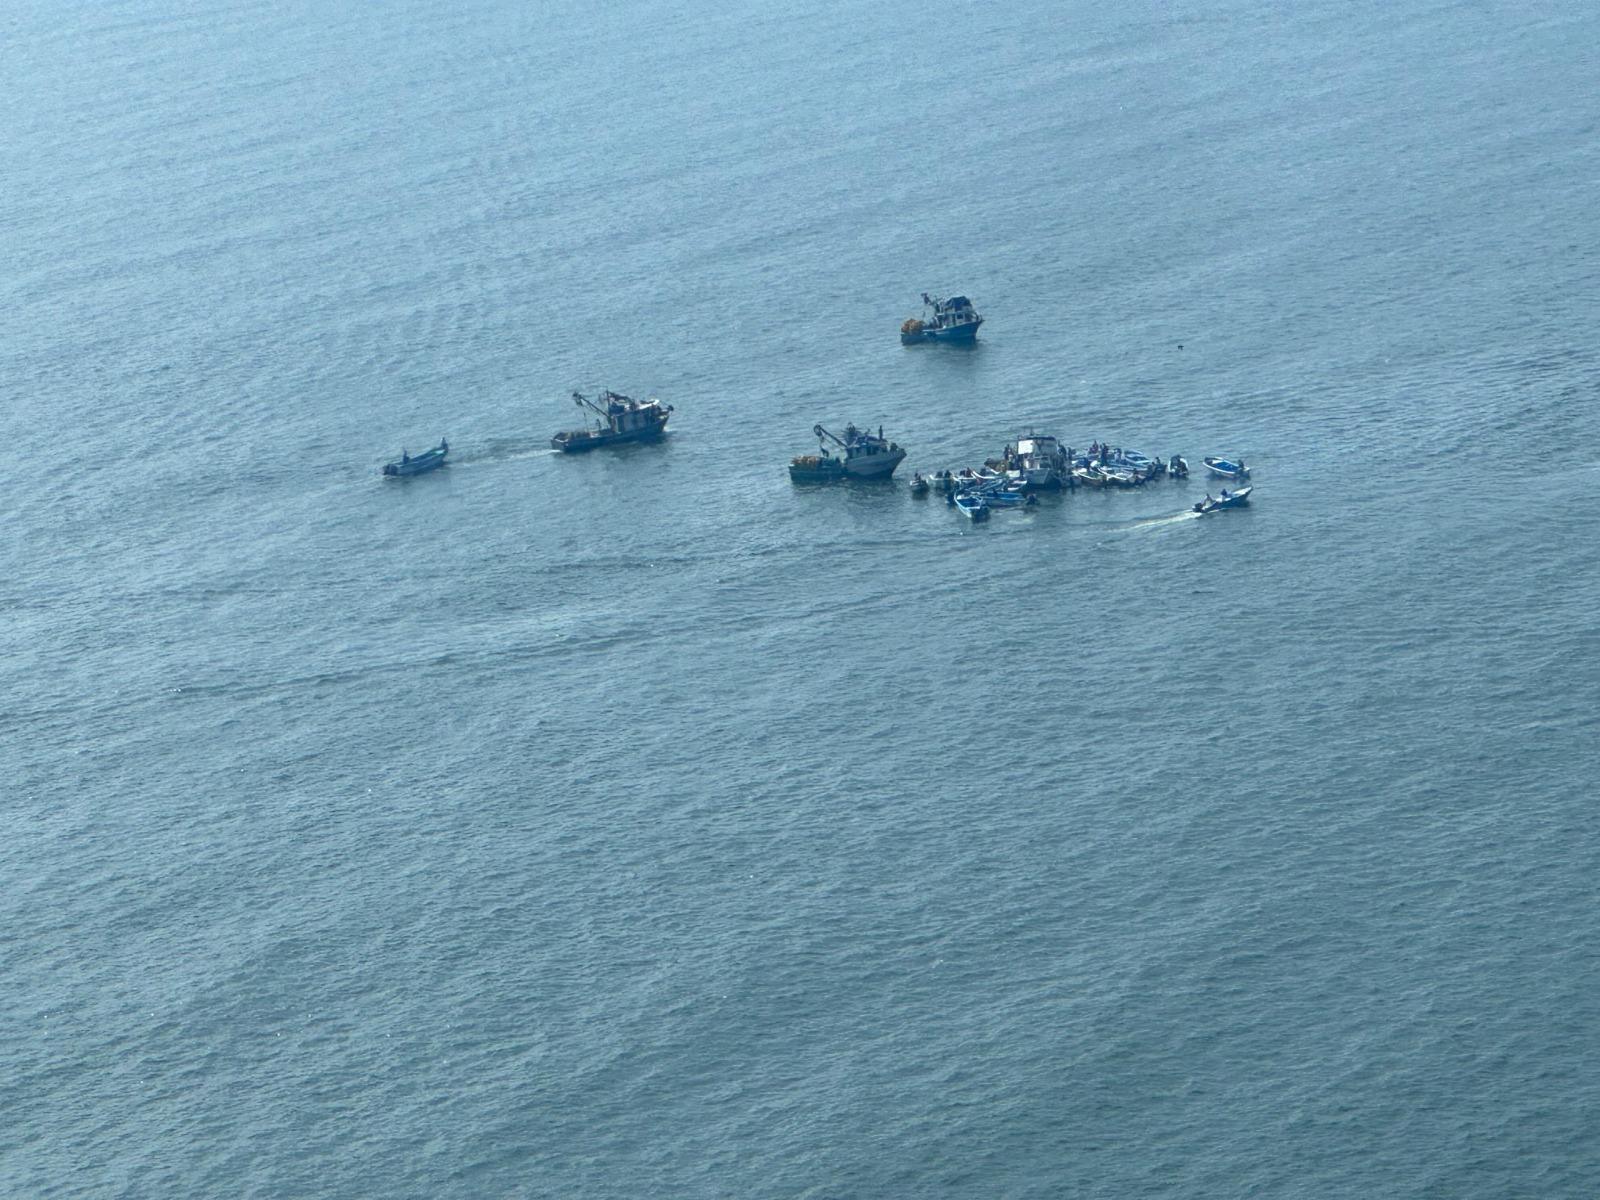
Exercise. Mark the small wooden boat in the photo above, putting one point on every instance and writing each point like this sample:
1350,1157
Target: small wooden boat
1227,468
971,505
427,461
1227,500
919,484
1007,496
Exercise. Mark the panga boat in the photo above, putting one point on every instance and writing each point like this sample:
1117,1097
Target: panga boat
865,456
1003,497
973,506
426,461
1227,468
621,419
952,320
1226,500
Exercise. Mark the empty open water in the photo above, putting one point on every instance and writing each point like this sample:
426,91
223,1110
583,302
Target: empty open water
641,825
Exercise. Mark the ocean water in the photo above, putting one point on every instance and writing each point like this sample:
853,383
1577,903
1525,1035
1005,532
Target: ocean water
639,824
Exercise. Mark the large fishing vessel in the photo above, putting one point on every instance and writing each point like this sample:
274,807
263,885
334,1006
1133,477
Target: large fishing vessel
952,320
865,456
621,419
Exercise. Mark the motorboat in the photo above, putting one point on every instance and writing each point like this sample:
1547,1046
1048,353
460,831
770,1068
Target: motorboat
1227,500
952,320
1227,468
619,418
426,461
971,505
1003,497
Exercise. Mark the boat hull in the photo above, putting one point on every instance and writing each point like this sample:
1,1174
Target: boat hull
807,473
577,441
874,466
952,333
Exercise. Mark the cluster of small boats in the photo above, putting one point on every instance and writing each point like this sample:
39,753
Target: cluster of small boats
1034,463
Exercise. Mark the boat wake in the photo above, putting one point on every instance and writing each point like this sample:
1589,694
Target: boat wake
508,451
1156,522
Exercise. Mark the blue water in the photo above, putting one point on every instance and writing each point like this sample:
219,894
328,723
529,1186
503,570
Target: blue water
638,824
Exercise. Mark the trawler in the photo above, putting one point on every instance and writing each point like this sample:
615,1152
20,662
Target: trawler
620,419
952,320
864,456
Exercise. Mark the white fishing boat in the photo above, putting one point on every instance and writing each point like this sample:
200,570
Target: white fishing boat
1039,462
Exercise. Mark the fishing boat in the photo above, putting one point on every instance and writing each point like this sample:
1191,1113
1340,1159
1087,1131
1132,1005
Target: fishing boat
861,454
1227,468
952,320
1227,500
619,419
1038,462
1004,497
919,484
426,461
971,505
1177,468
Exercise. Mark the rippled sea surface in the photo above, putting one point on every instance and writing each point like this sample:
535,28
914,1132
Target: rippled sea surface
639,824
